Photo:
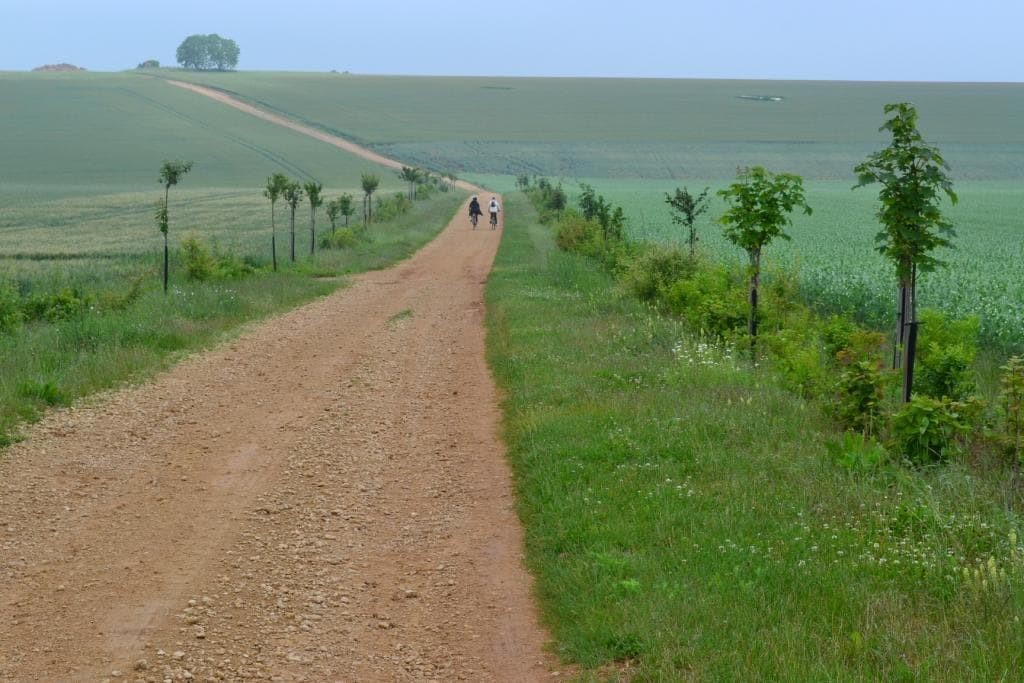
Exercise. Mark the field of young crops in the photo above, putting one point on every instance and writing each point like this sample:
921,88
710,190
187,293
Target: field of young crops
641,128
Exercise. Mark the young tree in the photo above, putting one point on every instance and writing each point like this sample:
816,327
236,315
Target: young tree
759,206
313,191
170,173
292,196
276,185
333,211
346,206
685,210
412,176
370,183
913,178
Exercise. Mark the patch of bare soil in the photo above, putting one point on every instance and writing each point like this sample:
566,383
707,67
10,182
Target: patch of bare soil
322,499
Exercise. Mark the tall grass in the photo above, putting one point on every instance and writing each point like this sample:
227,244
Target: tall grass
684,520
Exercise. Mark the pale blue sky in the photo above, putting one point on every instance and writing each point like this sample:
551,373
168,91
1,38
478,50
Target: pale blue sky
934,40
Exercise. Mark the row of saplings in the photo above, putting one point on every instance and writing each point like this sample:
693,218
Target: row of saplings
200,264
936,412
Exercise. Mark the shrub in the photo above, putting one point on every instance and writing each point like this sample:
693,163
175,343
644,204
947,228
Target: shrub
1012,398
857,452
391,207
946,354
575,233
711,300
837,334
11,314
926,430
196,259
795,354
344,238
652,271
858,399
64,304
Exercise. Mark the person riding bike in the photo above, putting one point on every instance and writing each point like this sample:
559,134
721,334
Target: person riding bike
474,211
494,208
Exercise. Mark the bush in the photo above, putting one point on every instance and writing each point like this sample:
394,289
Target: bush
857,453
945,357
859,396
711,300
795,354
53,306
11,314
649,275
196,259
926,430
576,233
389,208
1012,398
345,238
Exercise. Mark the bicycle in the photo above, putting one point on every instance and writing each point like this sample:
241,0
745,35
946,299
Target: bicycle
473,217
494,220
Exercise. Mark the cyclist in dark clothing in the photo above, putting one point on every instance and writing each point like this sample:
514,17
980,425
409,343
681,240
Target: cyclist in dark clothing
474,211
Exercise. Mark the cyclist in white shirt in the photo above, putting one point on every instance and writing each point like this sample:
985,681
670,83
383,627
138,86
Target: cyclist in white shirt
493,207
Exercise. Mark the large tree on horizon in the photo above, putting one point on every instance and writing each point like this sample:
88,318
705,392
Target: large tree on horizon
207,53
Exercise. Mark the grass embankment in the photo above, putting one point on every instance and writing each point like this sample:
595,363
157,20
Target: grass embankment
684,521
54,363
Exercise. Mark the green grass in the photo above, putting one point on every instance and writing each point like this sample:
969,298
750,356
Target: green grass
684,521
647,128
53,363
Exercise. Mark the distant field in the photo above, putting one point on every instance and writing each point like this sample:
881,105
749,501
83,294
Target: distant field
642,128
81,155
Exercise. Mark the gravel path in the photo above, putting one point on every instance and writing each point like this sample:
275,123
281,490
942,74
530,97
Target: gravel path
321,499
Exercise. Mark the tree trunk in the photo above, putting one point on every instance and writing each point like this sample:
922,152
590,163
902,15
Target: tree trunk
755,276
273,238
167,262
312,232
167,220
902,307
292,232
909,343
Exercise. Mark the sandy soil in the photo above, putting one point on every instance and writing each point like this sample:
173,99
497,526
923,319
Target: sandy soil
321,499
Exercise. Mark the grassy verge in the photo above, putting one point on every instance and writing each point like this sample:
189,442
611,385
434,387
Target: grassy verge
684,520
53,363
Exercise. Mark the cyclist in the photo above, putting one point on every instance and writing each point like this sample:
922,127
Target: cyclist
493,207
474,211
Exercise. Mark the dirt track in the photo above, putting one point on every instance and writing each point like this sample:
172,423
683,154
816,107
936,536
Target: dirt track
322,499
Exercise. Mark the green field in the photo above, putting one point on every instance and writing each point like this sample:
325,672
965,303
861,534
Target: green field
636,139
643,128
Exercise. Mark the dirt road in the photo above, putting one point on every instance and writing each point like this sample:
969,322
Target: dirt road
321,499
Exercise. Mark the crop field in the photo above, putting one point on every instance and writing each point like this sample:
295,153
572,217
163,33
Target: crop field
833,254
641,128
78,178
634,140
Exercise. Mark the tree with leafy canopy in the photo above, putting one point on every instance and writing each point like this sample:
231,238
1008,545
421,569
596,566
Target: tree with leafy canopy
292,197
276,185
685,210
346,206
913,177
759,206
170,173
208,52
333,211
370,183
313,191
412,176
